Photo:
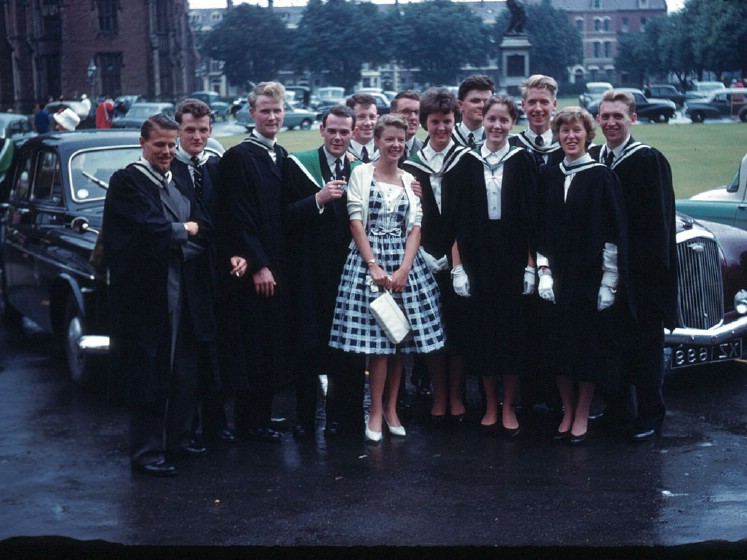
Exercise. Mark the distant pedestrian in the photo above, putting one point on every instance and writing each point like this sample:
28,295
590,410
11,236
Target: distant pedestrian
42,119
105,113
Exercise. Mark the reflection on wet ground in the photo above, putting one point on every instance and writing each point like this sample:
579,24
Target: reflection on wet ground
64,471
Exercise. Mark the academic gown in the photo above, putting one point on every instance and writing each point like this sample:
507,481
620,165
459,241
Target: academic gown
439,227
553,151
318,244
494,254
138,246
249,208
646,179
582,342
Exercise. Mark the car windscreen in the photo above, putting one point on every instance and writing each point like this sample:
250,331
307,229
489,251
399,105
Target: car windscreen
91,170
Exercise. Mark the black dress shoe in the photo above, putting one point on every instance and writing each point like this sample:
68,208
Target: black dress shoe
302,432
224,434
510,433
643,435
489,429
576,440
193,449
561,436
332,430
161,468
264,434
456,419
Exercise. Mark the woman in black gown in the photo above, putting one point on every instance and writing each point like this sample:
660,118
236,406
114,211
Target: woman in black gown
581,260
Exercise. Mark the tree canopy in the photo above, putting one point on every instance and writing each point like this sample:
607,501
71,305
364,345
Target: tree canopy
252,43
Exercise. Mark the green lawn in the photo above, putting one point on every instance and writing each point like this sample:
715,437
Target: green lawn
702,156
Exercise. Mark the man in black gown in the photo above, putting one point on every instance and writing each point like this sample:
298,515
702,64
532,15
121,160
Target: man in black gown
160,304
646,180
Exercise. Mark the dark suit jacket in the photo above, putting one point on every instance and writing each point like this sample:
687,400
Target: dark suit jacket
140,243
209,181
318,245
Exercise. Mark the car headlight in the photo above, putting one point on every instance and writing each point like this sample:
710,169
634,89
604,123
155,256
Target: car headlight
740,302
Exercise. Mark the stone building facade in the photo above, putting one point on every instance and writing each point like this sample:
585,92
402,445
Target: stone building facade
51,48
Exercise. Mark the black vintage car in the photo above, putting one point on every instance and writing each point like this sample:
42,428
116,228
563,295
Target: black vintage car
52,212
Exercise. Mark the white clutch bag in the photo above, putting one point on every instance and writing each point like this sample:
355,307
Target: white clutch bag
390,317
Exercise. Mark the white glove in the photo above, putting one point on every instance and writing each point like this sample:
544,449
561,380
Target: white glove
430,261
607,290
529,280
442,264
460,281
545,286
606,297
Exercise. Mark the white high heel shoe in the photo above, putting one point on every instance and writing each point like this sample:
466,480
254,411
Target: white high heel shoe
395,430
372,436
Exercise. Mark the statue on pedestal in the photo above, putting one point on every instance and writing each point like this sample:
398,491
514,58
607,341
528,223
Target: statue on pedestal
518,17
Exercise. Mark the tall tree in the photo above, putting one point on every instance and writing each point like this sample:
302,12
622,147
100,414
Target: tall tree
336,37
439,37
718,34
251,41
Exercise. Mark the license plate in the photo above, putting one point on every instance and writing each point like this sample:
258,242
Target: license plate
686,355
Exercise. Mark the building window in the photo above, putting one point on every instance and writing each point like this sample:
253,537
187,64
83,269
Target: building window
110,73
162,16
596,49
580,24
597,4
107,12
624,25
643,22
51,20
597,25
607,24
607,49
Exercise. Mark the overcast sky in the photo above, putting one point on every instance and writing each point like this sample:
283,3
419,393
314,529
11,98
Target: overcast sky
674,5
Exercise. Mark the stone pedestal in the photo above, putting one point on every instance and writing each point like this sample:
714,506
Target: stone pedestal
515,62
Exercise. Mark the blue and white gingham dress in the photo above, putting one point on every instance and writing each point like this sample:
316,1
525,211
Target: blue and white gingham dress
353,327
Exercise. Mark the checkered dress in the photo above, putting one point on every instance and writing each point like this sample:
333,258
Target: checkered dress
353,327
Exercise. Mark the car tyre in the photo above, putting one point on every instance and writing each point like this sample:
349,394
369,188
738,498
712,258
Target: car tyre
83,368
697,117
305,124
743,115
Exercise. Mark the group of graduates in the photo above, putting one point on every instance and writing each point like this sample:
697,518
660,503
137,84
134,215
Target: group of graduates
513,256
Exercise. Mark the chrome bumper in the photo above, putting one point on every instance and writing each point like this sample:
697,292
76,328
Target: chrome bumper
93,344
709,337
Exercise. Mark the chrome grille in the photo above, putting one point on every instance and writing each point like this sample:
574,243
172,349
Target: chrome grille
700,296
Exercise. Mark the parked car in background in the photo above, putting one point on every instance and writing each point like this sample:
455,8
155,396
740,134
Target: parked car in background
712,295
295,117
667,91
723,103
726,204
301,96
654,110
139,112
330,95
122,103
219,109
702,90
53,215
16,127
593,92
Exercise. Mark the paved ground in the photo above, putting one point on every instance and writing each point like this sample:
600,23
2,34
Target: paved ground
64,472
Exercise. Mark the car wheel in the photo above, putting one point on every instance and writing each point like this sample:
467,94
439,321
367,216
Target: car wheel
11,315
305,124
82,367
743,115
663,118
697,117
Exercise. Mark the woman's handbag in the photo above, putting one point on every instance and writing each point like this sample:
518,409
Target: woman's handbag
390,317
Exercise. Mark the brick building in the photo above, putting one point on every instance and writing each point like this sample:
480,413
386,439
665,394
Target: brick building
137,47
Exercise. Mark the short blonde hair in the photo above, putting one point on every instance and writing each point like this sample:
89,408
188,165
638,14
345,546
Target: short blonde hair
275,90
574,114
539,81
390,119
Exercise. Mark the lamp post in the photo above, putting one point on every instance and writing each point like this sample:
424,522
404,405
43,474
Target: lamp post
91,70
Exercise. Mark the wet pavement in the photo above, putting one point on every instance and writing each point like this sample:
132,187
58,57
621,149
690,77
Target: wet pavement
64,472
